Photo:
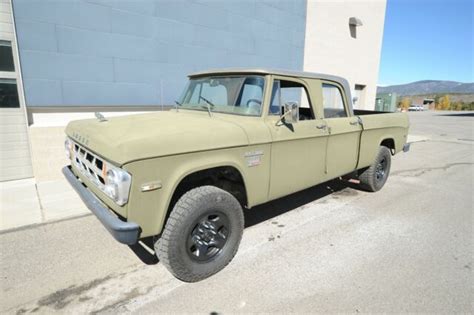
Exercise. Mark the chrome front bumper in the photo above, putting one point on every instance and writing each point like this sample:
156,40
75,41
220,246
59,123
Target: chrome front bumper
406,147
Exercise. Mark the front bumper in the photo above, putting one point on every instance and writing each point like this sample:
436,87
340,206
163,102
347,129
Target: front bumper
124,232
406,147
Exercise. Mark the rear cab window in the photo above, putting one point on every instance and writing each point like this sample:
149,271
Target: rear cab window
333,101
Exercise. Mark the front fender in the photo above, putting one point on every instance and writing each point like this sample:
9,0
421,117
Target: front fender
149,209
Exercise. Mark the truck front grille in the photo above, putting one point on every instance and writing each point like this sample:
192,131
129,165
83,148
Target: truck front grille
89,164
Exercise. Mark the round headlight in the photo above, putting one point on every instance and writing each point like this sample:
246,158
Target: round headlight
112,177
67,147
112,184
112,191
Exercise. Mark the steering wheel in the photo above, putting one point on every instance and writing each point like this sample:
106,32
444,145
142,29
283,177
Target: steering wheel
259,102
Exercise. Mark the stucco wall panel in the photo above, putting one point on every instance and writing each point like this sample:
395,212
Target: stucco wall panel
106,93
146,45
43,92
68,12
330,48
67,66
37,36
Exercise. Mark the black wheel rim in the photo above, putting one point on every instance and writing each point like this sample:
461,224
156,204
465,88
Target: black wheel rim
208,236
381,169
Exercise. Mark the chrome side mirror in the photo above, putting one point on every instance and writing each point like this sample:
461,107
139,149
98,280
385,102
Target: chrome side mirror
292,113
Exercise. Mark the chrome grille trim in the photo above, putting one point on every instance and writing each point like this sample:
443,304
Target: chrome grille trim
89,164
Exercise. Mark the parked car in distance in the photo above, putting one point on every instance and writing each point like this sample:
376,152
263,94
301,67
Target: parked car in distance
416,108
237,139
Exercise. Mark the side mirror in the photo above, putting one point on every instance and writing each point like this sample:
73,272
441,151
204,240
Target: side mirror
292,113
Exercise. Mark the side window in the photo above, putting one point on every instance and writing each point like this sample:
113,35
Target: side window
8,87
6,56
332,102
9,94
288,91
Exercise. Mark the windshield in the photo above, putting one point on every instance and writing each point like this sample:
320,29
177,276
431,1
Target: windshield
240,95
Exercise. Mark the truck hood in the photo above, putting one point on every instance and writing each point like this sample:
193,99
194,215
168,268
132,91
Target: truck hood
134,137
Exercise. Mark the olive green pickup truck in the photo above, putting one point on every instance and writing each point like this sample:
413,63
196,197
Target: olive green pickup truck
237,138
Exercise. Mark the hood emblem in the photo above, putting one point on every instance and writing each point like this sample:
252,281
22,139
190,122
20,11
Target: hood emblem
100,117
81,139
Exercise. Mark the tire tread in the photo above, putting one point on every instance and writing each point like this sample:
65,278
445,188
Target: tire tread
367,177
182,209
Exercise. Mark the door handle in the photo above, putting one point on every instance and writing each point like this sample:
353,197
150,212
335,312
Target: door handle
321,126
354,123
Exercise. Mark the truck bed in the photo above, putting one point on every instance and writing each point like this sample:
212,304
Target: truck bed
378,127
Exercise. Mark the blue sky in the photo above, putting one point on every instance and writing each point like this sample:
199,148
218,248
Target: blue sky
427,40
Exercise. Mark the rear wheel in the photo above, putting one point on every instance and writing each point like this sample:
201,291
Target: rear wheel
202,234
374,177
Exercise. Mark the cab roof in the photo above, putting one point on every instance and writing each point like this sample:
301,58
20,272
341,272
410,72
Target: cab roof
288,73
266,71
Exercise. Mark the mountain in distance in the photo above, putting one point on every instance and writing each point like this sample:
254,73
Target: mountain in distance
426,87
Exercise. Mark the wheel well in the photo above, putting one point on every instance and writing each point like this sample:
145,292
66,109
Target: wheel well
227,178
389,143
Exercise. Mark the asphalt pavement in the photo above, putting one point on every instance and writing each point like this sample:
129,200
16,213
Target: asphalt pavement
331,248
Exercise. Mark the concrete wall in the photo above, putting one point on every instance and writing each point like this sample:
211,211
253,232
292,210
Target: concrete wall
125,52
331,48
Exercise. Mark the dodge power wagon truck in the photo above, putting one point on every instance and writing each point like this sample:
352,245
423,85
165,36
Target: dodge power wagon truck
237,138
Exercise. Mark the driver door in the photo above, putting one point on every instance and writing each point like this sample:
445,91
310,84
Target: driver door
298,156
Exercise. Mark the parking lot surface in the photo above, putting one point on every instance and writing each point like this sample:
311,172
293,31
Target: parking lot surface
331,248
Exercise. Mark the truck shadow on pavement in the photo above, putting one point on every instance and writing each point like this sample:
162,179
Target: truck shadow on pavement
288,203
458,115
262,212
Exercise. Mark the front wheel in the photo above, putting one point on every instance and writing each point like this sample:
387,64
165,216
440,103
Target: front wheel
374,177
202,234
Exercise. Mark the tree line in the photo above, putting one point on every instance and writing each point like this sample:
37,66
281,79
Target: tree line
440,103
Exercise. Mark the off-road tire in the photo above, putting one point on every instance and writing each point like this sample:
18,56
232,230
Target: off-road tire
370,178
172,249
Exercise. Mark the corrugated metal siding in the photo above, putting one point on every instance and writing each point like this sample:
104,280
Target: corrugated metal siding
6,25
15,159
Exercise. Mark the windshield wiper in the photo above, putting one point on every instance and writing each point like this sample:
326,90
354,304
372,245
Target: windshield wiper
207,101
209,105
